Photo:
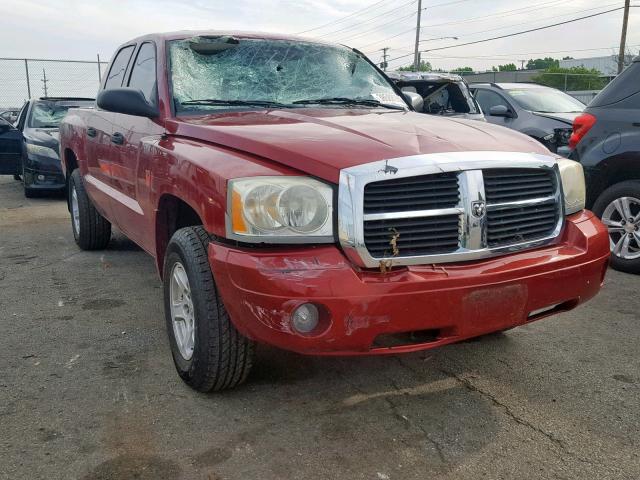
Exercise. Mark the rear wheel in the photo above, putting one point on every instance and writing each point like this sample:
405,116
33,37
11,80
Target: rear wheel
208,352
91,230
619,209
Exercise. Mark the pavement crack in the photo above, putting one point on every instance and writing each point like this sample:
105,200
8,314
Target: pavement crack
507,410
563,449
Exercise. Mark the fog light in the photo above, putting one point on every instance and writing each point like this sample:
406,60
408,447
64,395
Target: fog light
40,178
305,318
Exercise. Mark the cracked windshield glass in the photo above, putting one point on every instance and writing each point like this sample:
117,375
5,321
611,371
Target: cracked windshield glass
225,72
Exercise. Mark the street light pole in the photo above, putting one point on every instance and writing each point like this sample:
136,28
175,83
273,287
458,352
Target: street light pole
416,60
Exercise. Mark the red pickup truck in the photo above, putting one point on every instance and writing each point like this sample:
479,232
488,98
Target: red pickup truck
290,195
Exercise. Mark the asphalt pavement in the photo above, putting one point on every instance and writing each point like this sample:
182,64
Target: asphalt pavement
88,389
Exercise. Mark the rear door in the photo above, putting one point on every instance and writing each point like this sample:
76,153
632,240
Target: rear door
130,134
10,148
98,132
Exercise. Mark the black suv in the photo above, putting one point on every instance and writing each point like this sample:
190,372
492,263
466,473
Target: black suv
606,141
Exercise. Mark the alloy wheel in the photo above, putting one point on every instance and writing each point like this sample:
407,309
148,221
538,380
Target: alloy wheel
622,218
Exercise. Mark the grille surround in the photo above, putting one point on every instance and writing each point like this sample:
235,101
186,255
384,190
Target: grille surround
474,232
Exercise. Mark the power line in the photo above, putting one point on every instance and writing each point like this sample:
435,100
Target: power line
501,28
504,13
516,33
343,18
357,35
356,26
513,55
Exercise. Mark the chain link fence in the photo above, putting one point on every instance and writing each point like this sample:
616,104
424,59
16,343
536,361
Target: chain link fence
24,78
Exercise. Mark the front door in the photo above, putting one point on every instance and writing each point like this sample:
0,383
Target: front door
129,172
10,148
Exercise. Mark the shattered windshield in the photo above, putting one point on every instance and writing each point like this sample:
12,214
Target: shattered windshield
49,114
240,73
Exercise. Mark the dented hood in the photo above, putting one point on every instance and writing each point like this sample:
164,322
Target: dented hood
321,142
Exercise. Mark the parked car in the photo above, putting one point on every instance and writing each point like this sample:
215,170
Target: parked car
38,121
606,141
443,93
10,149
543,113
10,115
317,212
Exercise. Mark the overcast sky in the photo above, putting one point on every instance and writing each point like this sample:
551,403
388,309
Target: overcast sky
81,29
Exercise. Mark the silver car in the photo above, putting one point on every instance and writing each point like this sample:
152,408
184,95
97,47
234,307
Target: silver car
443,93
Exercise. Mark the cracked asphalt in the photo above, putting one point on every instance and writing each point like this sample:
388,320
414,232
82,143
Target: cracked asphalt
88,389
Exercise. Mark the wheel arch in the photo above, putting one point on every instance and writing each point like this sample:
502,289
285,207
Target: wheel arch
611,171
172,214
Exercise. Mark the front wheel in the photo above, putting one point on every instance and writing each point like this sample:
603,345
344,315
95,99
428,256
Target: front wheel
619,209
208,352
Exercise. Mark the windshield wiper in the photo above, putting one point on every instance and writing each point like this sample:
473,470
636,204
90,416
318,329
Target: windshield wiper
249,103
349,101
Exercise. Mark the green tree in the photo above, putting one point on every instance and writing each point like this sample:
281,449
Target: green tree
424,67
543,63
462,70
574,78
509,67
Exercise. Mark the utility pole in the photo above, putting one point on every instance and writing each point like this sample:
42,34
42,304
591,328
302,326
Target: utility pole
44,82
384,58
522,64
623,37
416,55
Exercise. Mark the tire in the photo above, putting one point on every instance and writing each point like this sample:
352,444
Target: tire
91,230
628,192
28,191
217,357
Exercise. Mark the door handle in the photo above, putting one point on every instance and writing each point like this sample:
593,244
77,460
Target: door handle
91,132
117,138
637,124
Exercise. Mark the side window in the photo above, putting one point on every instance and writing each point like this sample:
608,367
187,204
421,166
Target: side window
143,75
488,99
118,68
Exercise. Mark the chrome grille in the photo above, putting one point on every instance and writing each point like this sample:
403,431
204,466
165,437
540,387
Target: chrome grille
513,225
416,236
517,184
426,192
449,207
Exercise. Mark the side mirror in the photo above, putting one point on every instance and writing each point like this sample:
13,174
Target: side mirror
129,101
415,100
500,111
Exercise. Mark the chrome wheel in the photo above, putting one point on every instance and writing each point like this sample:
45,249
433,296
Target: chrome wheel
622,218
75,210
182,315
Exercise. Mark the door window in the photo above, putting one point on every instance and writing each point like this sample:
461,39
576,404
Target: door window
143,75
118,68
488,99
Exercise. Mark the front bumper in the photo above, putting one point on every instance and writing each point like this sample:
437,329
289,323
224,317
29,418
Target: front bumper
45,175
450,302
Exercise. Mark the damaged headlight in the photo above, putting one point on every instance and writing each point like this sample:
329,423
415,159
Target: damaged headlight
41,151
280,210
573,185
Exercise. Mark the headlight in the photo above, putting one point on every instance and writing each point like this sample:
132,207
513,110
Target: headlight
41,151
280,210
572,185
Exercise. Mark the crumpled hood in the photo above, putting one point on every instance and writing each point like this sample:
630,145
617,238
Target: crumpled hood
567,118
321,142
